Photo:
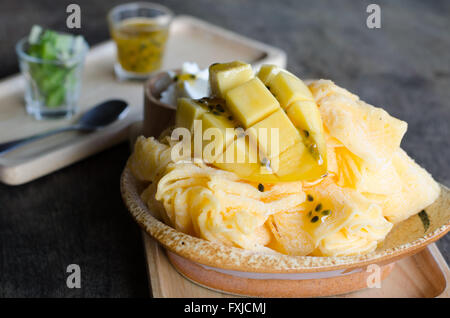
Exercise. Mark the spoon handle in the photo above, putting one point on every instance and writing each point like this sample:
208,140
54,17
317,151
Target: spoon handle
10,145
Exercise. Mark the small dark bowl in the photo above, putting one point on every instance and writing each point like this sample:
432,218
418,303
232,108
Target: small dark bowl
157,115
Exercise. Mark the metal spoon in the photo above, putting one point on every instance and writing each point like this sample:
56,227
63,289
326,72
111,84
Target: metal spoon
97,117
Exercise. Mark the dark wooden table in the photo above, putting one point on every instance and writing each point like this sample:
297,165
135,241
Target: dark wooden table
76,215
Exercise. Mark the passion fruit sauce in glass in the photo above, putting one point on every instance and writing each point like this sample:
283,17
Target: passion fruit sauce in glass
140,31
140,45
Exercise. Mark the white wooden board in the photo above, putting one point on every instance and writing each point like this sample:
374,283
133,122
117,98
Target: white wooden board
190,40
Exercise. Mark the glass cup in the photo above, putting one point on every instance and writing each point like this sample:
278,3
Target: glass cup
52,87
140,31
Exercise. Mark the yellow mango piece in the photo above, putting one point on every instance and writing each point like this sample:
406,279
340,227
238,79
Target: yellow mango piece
250,102
267,72
240,157
262,175
188,110
297,163
250,172
274,134
225,76
287,145
288,88
306,117
220,132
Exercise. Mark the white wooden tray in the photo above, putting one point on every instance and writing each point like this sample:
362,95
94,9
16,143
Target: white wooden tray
190,40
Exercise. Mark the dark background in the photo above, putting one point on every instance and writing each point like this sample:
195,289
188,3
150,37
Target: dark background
76,215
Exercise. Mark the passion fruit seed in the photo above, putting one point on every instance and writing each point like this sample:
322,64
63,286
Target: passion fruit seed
313,150
240,132
315,219
260,187
306,133
326,212
318,207
310,197
309,214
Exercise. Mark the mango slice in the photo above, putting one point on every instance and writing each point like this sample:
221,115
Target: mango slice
220,132
250,102
225,76
212,113
240,157
188,110
275,134
267,72
306,117
283,139
243,158
297,163
287,88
